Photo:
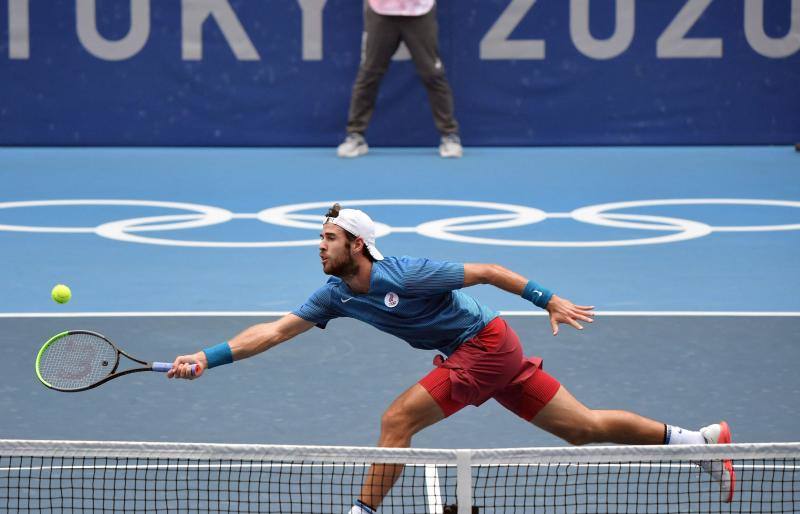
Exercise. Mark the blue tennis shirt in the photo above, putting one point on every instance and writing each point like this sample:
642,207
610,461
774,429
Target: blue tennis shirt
412,298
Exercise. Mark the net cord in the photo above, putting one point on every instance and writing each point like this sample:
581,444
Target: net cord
422,456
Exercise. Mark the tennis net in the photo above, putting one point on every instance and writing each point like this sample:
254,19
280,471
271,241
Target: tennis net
77,476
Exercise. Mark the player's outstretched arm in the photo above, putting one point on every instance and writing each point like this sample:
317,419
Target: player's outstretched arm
253,340
560,309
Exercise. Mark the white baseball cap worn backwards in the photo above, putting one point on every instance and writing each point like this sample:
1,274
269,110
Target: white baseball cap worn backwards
360,225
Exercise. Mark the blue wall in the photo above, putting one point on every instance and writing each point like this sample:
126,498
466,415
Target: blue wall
268,72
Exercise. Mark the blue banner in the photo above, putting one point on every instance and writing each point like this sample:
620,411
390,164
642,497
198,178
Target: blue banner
279,72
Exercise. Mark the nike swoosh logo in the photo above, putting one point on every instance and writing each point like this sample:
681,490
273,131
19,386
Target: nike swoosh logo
347,300
538,292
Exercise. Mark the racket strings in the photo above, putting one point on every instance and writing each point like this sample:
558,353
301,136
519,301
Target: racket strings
77,360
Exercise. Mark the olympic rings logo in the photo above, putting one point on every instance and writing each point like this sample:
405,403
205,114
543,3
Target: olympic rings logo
457,229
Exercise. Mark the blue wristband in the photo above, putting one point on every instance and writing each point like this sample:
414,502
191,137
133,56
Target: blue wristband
537,294
218,355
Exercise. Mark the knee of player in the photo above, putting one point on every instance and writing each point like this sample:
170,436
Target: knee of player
396,424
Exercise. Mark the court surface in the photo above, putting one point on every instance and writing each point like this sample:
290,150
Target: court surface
689,254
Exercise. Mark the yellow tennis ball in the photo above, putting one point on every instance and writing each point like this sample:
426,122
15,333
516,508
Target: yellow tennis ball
61,293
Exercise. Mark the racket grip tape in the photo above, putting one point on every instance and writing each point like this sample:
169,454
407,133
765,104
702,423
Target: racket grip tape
163,367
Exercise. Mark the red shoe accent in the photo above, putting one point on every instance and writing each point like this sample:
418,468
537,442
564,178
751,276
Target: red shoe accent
724,433
725,438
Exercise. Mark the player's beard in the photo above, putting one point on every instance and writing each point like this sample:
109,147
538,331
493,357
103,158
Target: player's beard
347,267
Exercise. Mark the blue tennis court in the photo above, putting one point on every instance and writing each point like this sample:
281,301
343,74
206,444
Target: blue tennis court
689,254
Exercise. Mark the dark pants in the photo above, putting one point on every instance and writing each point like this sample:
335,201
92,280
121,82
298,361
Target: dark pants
381,38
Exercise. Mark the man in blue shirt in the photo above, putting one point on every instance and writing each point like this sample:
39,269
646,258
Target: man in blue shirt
419,301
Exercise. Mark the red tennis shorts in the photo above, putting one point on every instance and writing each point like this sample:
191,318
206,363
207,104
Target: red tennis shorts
491,365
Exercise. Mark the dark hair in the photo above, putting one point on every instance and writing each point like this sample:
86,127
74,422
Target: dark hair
333,212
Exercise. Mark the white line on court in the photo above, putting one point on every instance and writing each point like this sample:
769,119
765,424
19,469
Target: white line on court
212,314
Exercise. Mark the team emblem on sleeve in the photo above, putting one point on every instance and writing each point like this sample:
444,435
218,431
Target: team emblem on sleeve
391,299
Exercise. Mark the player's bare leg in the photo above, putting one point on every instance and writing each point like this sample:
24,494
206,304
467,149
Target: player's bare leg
412,411
566,417
569,419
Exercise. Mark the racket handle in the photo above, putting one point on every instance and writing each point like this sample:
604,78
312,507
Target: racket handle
163,367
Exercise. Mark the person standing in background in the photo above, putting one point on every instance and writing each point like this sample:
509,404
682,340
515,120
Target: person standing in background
386,24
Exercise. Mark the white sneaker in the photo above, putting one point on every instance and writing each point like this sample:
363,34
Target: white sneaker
354,145
450,146
721,471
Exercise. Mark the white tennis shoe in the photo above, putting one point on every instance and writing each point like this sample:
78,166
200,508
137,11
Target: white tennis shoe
450,146
721,471
354,145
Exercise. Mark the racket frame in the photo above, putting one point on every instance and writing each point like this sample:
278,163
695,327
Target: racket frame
148,366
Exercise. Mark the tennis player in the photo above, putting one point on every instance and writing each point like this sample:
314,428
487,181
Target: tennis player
480,356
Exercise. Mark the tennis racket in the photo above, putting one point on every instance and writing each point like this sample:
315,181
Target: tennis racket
77,360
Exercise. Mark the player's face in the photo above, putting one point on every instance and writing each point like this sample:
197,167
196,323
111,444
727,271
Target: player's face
335,252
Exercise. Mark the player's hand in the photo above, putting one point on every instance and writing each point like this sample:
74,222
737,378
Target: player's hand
564,311
182,366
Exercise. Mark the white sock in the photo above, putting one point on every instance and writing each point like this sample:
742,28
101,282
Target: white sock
361,508
678,435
